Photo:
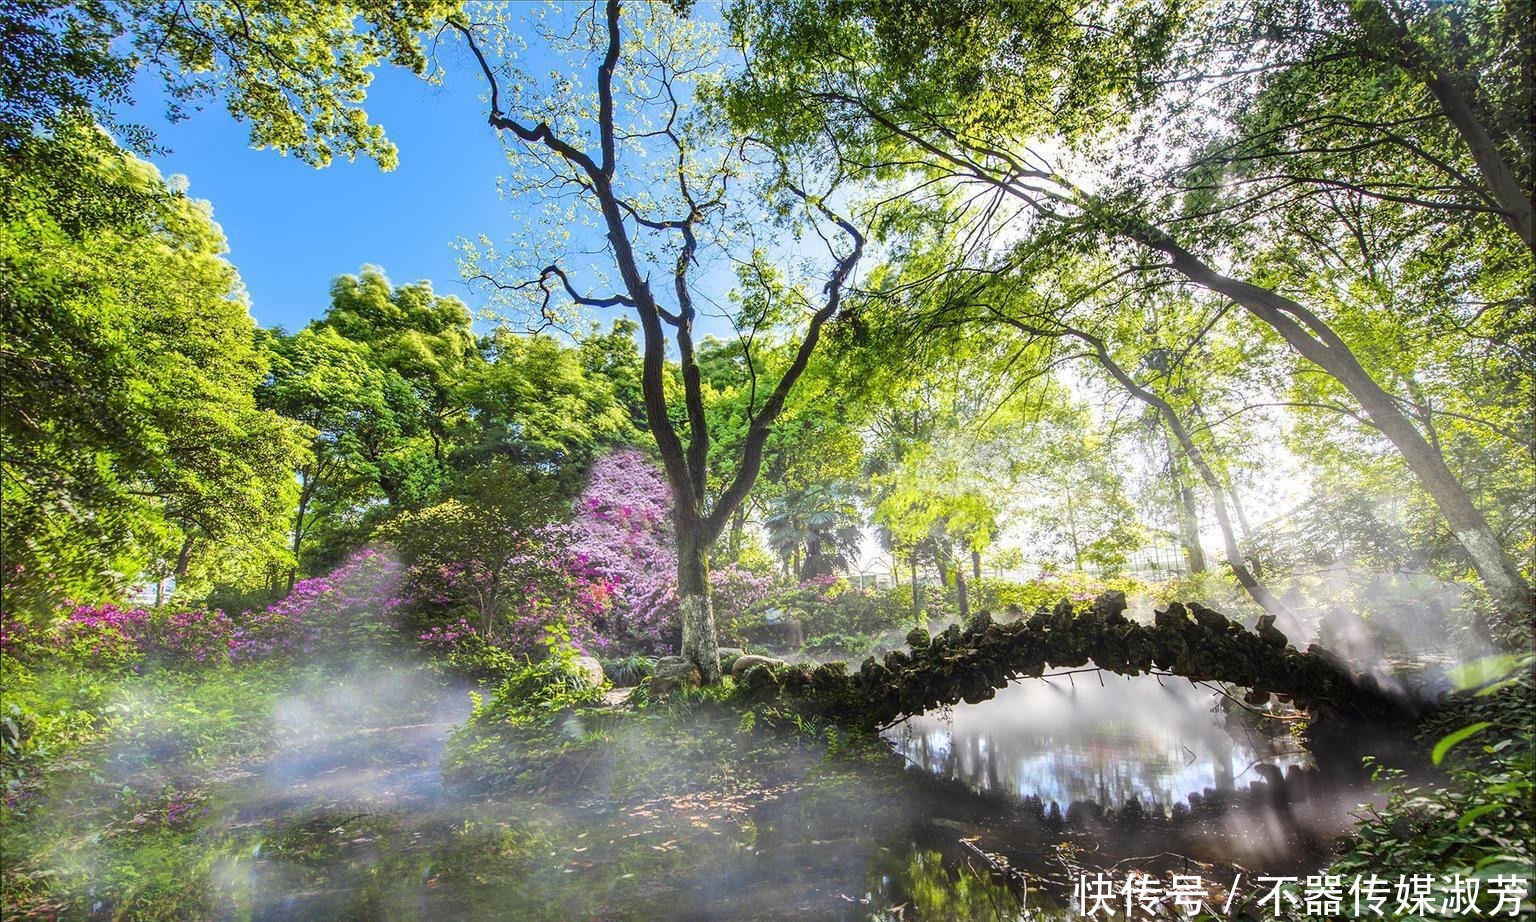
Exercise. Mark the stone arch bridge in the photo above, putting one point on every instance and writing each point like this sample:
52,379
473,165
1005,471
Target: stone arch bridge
969,664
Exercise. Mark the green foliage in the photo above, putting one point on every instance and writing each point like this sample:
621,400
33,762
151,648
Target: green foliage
531,721
540,689
100,808
631,670
49,712
1078,588
826,608
853,646
296,72
1476,821
132,444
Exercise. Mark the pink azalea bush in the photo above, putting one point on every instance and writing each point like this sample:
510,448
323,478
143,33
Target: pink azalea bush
330,611
622,530
327,612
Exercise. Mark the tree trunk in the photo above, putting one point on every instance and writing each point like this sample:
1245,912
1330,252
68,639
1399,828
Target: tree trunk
695,607
1244,528
1245,578
1189,529
1317,342
976,564
306,490
492,600
184,559
1187,510
1077,551
917,600
1455,92
962,597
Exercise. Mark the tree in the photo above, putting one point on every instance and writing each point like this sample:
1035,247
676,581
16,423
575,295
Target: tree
131,440
491,542
537,403
1072,468
965,129
663,182
815,529
410,330
297,72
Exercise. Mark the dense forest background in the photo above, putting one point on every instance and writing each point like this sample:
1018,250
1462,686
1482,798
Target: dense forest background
1238,312
817,322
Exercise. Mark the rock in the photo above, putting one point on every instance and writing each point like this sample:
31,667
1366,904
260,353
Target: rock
1270,634
743,663
918,638
1175,616
1110,607
729,655
590,670
1210,619
674,672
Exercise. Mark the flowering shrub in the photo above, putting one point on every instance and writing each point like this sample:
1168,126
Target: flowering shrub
622,531
573,596
16,638
735,590
105,635
344,607
190,638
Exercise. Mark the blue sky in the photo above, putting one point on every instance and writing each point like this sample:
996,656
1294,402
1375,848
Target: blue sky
292,228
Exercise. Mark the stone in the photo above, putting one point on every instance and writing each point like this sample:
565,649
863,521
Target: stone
590,670
674,672
729,655
1110,607
1270,634
743,663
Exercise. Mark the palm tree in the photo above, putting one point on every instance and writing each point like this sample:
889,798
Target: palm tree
815,529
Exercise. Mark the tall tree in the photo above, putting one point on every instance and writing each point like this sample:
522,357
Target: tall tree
131,439
967,125
622,139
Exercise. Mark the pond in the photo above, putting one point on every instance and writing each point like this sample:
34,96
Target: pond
1098,737
691,818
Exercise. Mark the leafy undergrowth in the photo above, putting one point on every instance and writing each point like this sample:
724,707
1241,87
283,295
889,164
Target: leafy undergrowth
1479,820
100,815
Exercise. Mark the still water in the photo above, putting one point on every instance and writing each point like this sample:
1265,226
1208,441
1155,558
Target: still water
1101,738
689,818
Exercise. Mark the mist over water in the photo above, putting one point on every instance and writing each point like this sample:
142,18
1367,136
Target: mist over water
1068,739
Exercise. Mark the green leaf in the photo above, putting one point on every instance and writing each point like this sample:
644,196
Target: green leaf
1446,743
1471,816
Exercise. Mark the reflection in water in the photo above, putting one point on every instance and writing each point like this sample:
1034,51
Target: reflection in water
1067,740
349,818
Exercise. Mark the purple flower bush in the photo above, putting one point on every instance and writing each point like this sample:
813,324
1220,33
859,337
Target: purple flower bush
622,530
106,635
324,612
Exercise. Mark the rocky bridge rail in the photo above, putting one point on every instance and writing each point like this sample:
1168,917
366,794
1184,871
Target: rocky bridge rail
1348,709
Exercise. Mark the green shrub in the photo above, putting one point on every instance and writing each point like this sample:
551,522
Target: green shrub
629,671
851,646
1477,821
541,689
